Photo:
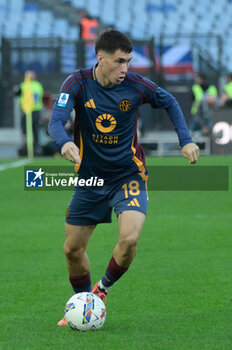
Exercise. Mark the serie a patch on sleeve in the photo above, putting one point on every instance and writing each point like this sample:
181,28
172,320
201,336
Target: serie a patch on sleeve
63,99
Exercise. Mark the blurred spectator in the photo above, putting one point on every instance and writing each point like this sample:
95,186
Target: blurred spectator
37,92
49,146
205,99
226,97
88,26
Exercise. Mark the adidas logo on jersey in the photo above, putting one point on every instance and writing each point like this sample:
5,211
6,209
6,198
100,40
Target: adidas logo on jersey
133,203
90,104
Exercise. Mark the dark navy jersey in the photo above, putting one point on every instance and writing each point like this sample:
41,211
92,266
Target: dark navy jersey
106,121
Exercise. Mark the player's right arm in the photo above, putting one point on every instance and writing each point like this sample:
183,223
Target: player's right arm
61,111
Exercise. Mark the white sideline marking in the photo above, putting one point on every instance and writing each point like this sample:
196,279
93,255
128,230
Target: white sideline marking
14,164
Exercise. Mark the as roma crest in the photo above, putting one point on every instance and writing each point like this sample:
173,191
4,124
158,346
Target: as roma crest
125,105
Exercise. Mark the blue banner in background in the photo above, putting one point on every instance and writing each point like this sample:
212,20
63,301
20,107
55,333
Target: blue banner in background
176,61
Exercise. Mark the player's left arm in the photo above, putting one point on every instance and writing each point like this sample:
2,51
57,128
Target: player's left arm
163,99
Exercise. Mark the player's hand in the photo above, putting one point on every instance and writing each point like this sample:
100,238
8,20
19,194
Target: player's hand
191,151
71,152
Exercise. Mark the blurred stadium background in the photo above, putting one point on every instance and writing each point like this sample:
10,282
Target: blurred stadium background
177,293
173,40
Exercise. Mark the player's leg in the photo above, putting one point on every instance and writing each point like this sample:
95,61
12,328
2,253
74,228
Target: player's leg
130,227
77,238
86,209
130,203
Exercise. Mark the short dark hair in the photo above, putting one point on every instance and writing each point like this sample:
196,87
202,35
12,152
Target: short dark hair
111,40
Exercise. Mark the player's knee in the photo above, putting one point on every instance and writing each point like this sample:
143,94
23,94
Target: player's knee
128,245
129,237
73,253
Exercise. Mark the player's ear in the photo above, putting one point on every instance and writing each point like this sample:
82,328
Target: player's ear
99,57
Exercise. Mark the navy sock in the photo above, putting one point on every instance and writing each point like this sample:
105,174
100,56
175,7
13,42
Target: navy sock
81,283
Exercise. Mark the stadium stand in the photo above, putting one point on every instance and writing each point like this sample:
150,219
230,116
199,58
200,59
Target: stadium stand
140,19
27,20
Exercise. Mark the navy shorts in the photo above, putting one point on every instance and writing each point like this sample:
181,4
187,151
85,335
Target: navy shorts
91,206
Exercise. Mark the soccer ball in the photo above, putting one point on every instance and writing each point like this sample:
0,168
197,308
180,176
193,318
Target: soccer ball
85,312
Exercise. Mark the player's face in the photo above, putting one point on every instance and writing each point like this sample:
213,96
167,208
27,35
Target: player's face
112,68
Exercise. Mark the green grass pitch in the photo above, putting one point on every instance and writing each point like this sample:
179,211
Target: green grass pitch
176,294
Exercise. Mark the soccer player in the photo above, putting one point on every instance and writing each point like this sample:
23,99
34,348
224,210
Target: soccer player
106,99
